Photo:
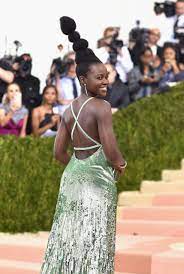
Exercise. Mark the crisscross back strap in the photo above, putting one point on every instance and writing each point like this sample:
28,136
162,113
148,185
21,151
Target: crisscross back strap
76,123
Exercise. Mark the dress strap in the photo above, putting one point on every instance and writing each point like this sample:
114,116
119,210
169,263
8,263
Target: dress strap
77,124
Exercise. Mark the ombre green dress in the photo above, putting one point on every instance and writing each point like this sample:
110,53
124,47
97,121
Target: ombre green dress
82,237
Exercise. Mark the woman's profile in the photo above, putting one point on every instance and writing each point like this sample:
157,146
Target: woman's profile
82,237
44,121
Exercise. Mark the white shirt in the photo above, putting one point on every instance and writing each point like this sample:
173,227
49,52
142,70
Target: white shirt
154,49
124,63
166,26
66,91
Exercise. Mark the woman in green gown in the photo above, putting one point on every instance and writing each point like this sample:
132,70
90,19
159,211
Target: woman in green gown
82,237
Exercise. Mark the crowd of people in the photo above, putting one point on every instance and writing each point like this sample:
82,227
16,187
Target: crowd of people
140,69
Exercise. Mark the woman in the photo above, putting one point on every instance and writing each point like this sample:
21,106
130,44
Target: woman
143,79
44,121
170,69
82,238
13,115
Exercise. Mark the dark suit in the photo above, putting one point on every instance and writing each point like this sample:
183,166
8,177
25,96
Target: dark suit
118,95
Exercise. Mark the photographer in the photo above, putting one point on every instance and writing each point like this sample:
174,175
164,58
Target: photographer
114,52
142,37
173,24
68,85
59,68
179,22
6,77
30,85
153,38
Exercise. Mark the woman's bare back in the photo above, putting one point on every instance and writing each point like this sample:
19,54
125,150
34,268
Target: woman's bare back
87,120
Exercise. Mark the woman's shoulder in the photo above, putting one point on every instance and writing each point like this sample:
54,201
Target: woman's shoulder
5,107
101,102
24,109
38,110
100,107
2,106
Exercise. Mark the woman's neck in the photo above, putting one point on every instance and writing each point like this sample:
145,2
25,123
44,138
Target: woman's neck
47,106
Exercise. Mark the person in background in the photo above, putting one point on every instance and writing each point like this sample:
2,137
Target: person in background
170,69
122,62
153,38
117,92
6,77
30,85
143,79
13,115
45,118
68,86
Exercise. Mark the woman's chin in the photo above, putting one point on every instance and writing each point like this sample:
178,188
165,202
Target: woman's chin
102,93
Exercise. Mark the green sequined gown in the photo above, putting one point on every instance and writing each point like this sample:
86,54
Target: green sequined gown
82,237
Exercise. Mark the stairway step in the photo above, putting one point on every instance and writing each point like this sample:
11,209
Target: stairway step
169,262
9,270
135,198
141,253
23,253
18,267
142,227
173,175
162,187
153,213
176,199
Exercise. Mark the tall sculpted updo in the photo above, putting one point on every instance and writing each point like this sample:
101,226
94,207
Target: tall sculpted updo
84,55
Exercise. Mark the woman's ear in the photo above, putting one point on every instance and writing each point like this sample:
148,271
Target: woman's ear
82,80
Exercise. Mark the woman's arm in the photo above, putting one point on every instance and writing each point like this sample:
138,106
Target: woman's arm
5,118
36,122
23,130
61,144
175,67
6,75
107,137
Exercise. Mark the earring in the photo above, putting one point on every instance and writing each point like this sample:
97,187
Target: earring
85,88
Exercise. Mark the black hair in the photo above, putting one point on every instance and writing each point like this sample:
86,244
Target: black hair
142,51
47,87
85,57
83,68
172,46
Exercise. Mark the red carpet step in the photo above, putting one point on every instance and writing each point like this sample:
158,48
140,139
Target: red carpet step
169,262
176,199
137,257
153,213
142,227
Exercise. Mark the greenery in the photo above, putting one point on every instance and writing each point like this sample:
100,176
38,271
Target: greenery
29,183
150,134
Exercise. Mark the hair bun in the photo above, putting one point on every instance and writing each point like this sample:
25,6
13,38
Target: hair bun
81,44
67,24
74,37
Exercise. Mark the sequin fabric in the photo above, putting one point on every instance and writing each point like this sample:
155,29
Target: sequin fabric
82,237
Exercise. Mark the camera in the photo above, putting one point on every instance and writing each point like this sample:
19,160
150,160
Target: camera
25,64
6,62
114,46
61,66
139,36
167,7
